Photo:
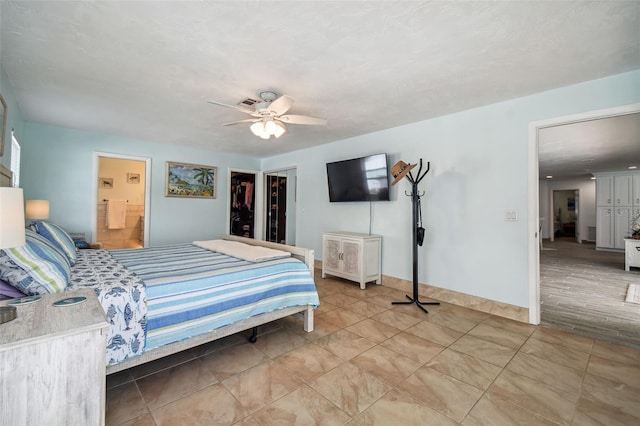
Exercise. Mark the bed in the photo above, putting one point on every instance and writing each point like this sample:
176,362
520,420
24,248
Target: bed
275,288
163,300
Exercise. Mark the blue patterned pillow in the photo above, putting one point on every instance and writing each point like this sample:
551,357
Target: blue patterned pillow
59,238
38,267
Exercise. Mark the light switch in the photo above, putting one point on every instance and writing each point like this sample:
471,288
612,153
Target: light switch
511,216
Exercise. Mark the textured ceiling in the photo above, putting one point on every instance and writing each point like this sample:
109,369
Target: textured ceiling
146,69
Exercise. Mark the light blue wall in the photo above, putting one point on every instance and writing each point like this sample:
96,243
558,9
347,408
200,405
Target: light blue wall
14,118
478,172
58,165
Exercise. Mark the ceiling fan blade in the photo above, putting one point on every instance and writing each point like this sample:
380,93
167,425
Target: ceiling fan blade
302,119
237,107
248,120
281,105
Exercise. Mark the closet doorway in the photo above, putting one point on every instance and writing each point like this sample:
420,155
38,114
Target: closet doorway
280,206
120,218
242,203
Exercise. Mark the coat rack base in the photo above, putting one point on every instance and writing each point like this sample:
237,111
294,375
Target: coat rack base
417,302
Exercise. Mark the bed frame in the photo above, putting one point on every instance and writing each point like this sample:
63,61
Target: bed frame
306,255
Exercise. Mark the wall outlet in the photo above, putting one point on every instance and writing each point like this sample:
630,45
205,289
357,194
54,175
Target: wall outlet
511,216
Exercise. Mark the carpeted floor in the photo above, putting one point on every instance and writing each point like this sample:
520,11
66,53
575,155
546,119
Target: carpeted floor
583,291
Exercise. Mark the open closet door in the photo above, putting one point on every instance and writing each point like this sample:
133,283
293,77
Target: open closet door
280,206
242,193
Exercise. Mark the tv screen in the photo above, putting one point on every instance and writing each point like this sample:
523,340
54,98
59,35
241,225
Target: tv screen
359,179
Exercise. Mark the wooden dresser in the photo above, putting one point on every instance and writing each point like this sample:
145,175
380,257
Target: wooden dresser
53,363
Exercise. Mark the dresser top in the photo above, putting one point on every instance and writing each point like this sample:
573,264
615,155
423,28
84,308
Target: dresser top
40,321
352,234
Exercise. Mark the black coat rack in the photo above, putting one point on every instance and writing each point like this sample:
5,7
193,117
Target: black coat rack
415,198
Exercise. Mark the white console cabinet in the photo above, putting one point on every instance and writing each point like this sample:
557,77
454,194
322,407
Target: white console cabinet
353,256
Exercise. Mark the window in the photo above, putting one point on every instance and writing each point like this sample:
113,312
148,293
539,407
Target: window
15,160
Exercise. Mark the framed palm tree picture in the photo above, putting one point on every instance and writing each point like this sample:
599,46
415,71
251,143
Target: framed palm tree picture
191,180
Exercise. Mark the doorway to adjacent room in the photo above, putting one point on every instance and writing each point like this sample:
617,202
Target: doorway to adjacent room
120,216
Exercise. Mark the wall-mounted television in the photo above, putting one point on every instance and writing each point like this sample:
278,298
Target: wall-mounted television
359,179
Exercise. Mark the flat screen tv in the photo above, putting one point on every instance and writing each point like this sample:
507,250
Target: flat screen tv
359,179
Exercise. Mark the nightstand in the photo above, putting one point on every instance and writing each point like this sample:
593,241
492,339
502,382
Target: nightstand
53,363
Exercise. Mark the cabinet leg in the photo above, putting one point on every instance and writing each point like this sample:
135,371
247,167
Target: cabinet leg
363,286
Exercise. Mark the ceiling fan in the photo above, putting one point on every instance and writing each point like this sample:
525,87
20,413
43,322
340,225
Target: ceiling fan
269,115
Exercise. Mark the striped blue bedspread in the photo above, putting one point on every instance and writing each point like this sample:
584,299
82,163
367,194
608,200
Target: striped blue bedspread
191,290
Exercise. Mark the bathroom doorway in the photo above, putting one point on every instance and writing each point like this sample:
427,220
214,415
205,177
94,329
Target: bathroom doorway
122,199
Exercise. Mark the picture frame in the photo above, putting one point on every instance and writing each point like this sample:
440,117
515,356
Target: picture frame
3,117
106,183
190,180
133,178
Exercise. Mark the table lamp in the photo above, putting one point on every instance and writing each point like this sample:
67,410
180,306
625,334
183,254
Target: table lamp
37,209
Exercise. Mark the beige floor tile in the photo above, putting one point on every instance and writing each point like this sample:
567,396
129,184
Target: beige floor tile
144,420
487,351
303,406
547,372
345,344
462,312
365,308
562,338
558,354
413,347
175,383
324,307
321,328
616,352
597,413
511,325
500,336
471,370
493,411
350,388
211,406
548,402
396,319
262,384
309,361
373,330
341,317
614,370
357,292
435,333
162,363
338,299
385,299
618,396
124,403
399,408
450,320
233,360
279,342
386,364
443,393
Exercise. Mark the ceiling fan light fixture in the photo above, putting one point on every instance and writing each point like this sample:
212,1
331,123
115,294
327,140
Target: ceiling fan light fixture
278,129
258,128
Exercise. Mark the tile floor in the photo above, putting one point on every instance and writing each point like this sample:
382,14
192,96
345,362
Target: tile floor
371,363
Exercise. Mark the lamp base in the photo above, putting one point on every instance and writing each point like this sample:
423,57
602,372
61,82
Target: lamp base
417,302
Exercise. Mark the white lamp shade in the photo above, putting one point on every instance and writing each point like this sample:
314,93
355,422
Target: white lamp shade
12,233
37,209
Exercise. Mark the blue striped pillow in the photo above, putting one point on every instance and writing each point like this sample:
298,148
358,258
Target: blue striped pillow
46,269
59,238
